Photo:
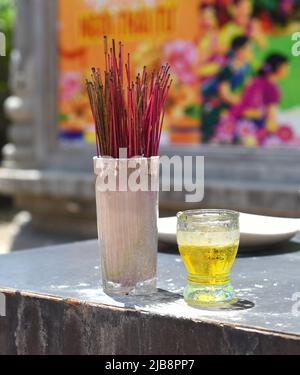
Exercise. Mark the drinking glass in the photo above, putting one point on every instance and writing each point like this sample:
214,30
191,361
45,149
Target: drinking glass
208,241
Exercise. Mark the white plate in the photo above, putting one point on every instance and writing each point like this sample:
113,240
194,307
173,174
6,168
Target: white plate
256,230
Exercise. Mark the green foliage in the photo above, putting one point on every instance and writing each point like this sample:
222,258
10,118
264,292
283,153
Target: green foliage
6,24
7,14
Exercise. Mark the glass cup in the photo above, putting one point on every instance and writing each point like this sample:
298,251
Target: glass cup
127,225
208,241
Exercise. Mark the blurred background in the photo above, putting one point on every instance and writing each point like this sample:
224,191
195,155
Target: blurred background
235,100
7,16
7,12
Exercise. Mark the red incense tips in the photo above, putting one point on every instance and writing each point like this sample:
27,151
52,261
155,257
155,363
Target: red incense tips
127,113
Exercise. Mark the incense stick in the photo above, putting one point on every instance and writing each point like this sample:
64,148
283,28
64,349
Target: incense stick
127,114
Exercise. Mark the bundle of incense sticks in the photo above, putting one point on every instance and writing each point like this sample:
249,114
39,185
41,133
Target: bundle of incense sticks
127,114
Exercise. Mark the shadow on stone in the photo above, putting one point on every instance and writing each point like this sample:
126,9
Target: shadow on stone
162,297
291,246
240,304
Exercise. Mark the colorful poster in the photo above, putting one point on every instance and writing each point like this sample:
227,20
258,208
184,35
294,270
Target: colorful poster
236,79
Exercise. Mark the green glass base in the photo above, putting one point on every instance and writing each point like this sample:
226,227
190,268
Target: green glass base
209,295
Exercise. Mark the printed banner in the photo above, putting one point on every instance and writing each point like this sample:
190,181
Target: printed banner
235,65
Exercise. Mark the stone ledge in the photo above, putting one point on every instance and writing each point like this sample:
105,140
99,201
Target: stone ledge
58,307
48,325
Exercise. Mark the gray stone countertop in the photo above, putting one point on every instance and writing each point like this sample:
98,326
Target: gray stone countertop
268,286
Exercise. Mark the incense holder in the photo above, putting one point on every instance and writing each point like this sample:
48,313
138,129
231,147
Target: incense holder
127,213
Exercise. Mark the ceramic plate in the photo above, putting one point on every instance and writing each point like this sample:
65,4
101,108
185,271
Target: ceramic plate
256,230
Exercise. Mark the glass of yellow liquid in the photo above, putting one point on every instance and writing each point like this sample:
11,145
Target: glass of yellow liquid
208,241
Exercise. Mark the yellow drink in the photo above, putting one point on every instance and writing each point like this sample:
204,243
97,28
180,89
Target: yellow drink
208,241
208,264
